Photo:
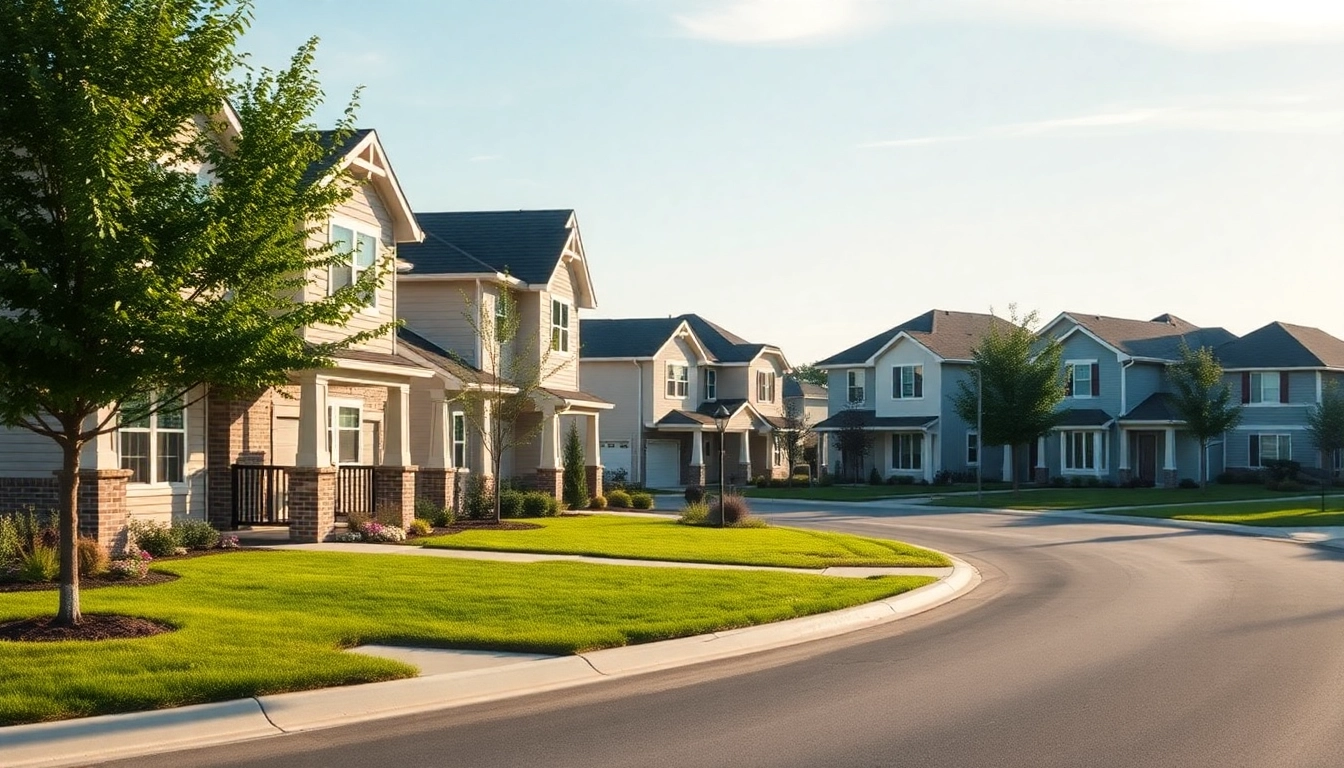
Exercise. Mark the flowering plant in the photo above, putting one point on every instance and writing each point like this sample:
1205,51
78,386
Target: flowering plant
132,565
376,531
350,536
228,542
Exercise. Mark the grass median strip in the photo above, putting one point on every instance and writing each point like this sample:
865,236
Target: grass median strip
664,539
1270,514
1094,498
254,623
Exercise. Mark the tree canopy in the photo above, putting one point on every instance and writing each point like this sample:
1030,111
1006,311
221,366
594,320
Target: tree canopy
1202,399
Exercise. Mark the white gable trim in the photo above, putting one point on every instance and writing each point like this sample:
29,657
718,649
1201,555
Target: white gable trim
683,331
573,255
368,156
872,361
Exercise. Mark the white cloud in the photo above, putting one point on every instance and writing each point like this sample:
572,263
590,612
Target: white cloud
776,21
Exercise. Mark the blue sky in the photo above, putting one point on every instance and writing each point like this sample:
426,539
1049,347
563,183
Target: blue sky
810,172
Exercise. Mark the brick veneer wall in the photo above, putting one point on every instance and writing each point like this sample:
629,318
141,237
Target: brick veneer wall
41,493
394,488
438,486
239,433
312,503
551,481
101,502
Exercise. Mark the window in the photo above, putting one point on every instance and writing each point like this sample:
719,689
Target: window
1270,448
711,384
559,326
359,252
765,386
907,450
1265,387
153,447
677,377
907,382
972,448
856,393
777,456
1082,379
1080,451
459,440
343,440
503,305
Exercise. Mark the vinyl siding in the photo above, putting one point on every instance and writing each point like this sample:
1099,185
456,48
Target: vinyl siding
438,311
905,353
837,388
1079,347
1141,380
768,364
366,211
618,383
562,288
675,351
25,454
951,427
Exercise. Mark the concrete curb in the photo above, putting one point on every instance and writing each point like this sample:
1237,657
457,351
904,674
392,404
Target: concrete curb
77,742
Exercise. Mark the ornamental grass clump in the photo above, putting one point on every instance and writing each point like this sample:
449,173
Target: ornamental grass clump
695,513
733,511
420,527
598,502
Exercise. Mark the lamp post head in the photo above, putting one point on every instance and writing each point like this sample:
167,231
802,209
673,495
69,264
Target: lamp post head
721,417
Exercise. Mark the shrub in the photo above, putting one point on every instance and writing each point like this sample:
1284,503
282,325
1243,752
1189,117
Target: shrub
905,479
1106,482
476,503
511,503
536,504
641,500
555,506
420,527
195,534
1059,482
694,494
11,546
1281,469
694,513
354,521
1076,481
435,514
597,502
731,508
133,566
1187,483
93,557
41,563
155,538
1093,482
618,499
826,480
942,477
1241,476
800,480
874,477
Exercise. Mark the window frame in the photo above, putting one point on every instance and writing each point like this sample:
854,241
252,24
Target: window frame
356,269
972,448
1069,452
914,454
458,443
676,387
856,375
1257,396
711,379
765,386
916,381
1071,379
154,456
334,405
560,326
1279,440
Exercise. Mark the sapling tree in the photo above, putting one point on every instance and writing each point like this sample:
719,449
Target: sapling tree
576,480
1325,427
1202,399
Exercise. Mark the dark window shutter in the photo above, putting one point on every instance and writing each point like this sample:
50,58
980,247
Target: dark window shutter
1283,386
1255,451
1068,381
919,381
1245,387
1096,380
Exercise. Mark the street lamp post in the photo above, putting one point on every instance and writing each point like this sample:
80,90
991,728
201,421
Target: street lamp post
721,417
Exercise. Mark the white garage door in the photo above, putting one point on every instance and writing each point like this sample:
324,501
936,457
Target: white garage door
615,457
664,464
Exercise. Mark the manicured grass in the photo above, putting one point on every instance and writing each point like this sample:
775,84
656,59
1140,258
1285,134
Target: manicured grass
1092,498
254,623
859,492
665,539
1298,512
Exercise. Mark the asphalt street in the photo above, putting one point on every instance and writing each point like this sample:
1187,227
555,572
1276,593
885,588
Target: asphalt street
1088,644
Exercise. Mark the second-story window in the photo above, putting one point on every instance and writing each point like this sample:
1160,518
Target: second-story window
711,384
677,378
358,253
1265,387
1081,379
856,393
907,382
502,303
765,386
559,326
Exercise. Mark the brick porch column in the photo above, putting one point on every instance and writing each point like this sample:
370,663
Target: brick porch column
551,481
594,476
102,506
437,485
394,491
312,503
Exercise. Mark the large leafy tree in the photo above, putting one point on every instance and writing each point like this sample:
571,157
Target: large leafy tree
1325,427
852,440
794,434
123,278
1016,378
1202,399
810,374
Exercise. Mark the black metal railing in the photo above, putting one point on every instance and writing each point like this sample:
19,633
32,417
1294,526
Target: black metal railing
355,490
259,495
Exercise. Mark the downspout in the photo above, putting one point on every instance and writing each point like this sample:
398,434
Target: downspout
1124,408
638,453
480,353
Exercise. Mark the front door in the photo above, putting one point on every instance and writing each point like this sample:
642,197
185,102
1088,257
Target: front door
1147,463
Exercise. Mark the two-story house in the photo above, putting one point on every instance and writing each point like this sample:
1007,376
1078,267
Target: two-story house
275,457
1119,424
1279,373
668,377
898,387
456,285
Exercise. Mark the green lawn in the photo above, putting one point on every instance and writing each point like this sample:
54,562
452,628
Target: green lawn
254,623
1092,498
664,539
1298,512
859,492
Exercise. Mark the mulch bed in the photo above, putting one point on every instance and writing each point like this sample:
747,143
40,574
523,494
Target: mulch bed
90,582
485,525
92,626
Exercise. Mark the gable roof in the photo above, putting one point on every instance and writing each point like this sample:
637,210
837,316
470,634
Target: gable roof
1281,345
804,389
446,361
1159,338
363,150
949,335
626,338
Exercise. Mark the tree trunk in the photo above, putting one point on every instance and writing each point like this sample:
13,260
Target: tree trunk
1204,463
1012,466
1325,477
67,614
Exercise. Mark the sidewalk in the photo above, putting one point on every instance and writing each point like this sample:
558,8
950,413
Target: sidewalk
452,678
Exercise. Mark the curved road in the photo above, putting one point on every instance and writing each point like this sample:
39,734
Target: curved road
1088,644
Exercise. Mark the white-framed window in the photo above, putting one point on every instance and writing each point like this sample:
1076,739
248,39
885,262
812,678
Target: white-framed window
711,384
678,378
502,309
765,386
1270,447
459,439
153,446
856,393
907,450
1265,387
559,326
777,456
359,253
972,448
1080,379
344,420
1080,451
907,382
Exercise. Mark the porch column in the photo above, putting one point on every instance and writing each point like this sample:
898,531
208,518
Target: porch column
313,451
1097,455
1126,474
1007,463
396,426
101,506
394,478
1041,472
1169,479
744,457
435,481
926,456
550,475
823,453
592,451
312,484
693,473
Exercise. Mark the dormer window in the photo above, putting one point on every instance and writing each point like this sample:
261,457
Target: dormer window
765,386
356,253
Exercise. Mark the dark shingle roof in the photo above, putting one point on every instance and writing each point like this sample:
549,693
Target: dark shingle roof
1280,345
950,335
681,418
1155,407
448,361
526,244
796,388
334,151
382,358
870,420
573,394
1158,338
643,337
1084,417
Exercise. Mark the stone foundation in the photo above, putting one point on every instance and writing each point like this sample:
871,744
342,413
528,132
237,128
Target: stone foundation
437,486
739,476
551,481
312,504
1169,478
594,478
394,488
1125,476
693,474
1041,475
